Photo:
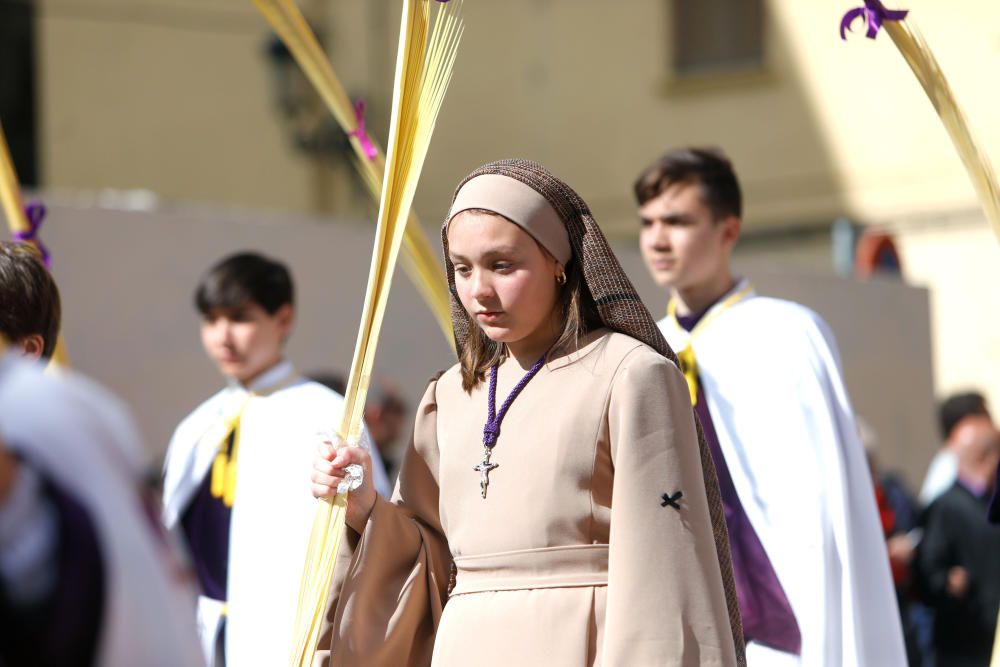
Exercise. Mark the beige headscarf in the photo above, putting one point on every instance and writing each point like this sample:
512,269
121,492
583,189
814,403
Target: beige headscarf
618,303
519,203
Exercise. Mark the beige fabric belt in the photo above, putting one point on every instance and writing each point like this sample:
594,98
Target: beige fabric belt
553,567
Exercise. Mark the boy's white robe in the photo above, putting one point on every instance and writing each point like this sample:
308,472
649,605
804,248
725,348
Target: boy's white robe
81,437
273,510
770,372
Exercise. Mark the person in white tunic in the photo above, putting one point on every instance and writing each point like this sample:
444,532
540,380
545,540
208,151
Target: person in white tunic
809,559
86,575
236,471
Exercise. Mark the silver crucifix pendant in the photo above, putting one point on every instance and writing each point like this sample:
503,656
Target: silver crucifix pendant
484,469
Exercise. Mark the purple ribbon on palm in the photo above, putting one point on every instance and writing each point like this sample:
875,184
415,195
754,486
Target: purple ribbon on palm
874,14
35,212
359,132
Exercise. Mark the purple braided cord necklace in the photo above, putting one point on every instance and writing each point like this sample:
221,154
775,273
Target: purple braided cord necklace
491,431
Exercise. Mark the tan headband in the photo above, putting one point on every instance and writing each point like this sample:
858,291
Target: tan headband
520,204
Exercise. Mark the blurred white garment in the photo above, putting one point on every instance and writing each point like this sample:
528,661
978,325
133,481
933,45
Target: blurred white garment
759,655
771,375
273,509
81,437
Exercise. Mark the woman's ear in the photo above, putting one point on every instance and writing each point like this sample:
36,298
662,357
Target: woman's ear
560,274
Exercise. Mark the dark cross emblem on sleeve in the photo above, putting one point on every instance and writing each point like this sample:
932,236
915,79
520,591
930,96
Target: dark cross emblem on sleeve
671,500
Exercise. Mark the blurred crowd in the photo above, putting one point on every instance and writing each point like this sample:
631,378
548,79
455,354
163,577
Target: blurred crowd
943,549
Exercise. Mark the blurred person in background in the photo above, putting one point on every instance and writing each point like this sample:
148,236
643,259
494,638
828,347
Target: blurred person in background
86,576
330,379
383,432
899,516
385,416
943,469
234,488
809,555
959,555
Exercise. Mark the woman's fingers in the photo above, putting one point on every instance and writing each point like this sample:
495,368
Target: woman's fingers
323,465
324,490
330,468
329,444
325,485
351,456
327,479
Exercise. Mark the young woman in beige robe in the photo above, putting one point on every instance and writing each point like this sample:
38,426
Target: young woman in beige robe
590,534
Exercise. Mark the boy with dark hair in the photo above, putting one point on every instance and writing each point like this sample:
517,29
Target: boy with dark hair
809,557
234,483
29,301
943,469
707,167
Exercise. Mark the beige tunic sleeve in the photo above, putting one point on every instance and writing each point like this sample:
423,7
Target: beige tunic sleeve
394,593
666,603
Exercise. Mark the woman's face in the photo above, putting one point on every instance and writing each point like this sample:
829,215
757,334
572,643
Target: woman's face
505,280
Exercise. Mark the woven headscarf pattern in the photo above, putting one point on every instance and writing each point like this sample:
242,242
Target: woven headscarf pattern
621,310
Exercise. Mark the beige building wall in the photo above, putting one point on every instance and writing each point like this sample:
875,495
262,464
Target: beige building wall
177,97
166,96
174,97
958,258
884,139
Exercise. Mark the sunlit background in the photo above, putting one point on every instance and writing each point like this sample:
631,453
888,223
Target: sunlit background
164,134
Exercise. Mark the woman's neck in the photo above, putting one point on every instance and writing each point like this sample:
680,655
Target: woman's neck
529,349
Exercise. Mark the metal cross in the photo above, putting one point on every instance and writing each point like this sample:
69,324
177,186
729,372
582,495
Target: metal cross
484,469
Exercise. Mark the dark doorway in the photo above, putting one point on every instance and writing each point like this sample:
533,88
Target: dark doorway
17,86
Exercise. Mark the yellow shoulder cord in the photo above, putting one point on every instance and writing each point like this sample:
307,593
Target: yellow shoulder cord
685,357
223,485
